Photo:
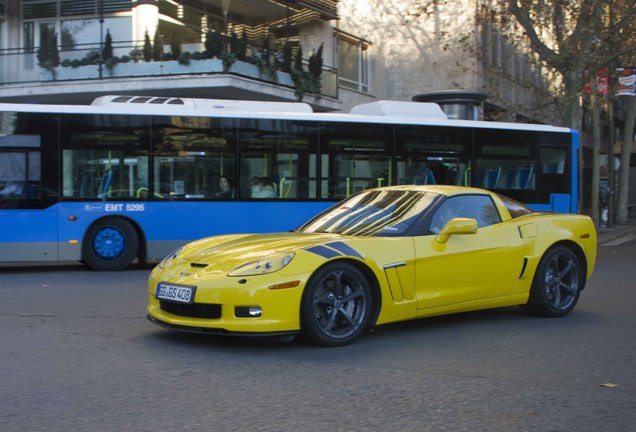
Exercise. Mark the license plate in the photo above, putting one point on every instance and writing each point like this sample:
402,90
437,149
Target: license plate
175,293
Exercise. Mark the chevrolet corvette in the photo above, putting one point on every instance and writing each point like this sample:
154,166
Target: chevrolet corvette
384,255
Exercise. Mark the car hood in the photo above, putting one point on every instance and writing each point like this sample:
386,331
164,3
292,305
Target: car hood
231,250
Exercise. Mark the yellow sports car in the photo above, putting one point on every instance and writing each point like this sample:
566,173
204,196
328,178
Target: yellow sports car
383,255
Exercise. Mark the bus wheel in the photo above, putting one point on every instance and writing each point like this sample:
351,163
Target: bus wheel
110,244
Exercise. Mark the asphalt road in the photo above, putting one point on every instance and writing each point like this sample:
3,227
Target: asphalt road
77,354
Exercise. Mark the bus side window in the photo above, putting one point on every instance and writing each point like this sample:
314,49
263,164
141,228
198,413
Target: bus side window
13,173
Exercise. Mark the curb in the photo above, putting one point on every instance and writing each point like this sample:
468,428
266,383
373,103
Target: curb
605,233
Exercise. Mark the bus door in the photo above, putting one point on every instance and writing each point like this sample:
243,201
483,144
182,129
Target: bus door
28,187
556,181
433,155
506,162
355,158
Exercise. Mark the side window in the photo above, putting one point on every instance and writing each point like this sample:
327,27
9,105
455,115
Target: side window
278,159
355,158
105,157
194,158
479,207
515,208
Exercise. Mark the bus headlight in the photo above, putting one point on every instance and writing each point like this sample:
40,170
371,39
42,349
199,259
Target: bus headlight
266,265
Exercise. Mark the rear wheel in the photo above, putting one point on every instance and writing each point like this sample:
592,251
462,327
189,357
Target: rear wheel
557,283
110,244
336,305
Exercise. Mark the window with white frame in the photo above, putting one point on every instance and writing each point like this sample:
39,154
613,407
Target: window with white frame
353,65
77,22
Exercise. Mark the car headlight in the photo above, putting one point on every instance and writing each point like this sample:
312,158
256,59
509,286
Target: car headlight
266,265
170,257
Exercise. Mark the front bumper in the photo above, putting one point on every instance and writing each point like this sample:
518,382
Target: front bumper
220,296
216,331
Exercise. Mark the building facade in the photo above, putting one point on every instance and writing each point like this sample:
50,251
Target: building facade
367,49
101,48
420,46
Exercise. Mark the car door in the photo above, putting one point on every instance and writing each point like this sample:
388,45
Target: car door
468,267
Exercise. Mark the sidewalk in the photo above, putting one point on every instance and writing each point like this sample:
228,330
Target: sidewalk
616,231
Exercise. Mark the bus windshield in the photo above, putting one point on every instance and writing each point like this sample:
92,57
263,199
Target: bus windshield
387,212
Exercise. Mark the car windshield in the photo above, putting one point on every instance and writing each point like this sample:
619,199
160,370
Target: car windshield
375,212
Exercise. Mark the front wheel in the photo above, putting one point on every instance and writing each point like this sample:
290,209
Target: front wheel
110,244
557,283
336,305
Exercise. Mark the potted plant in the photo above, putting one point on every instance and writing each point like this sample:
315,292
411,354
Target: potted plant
48,54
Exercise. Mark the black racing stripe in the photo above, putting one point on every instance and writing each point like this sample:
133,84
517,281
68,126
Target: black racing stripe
344,248
323,251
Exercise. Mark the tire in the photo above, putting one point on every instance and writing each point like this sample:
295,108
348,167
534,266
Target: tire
336,305
110,244
557,283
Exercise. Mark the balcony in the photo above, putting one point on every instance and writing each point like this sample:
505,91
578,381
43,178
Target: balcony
79,78
81,70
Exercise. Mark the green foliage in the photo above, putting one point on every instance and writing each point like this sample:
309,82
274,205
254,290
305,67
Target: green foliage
107,51
286,66
213,44
241,52
157,47
298,60
136,55
48,54
234,44
184,58
229,58
315,63
175,46
266,58
307,82
147,47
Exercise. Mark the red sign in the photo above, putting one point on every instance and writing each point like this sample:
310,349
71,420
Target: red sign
626,81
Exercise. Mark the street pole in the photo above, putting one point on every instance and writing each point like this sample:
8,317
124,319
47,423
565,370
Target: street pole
101,39
226,10
611,217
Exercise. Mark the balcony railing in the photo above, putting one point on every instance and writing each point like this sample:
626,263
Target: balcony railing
20,65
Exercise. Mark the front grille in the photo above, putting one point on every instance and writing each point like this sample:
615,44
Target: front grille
195,310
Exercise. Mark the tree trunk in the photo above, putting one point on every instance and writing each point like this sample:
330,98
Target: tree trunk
623,184
573,115
596,154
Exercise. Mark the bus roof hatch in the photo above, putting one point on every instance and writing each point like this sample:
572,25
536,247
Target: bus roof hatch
400,109
206,104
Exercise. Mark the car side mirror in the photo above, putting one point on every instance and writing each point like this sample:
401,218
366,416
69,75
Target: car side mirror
457,226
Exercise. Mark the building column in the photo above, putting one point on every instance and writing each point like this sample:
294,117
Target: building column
13,39
145,17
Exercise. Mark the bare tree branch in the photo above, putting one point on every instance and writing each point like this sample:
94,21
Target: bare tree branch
546,54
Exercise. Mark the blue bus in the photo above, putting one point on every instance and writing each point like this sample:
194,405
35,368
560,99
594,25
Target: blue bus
134,177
